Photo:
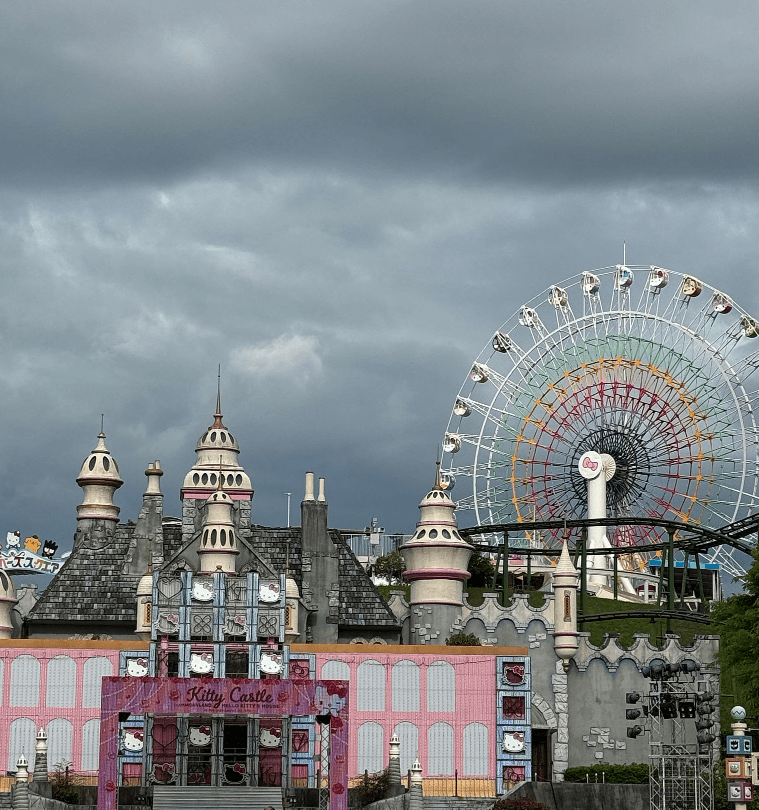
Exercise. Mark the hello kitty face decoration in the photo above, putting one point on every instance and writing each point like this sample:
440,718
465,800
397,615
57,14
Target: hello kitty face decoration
137,667
200,735
270,737
513,673
201,664
168,623
269,592
271,663
513,741
202,590
133,739
163,773
235,625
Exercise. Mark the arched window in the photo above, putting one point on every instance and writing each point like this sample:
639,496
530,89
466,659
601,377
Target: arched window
59,733
440,750
21,740
476,749
370,687
90,744
25,682
408,735
95,669
371,748
405,687
61,681
441,687
336,671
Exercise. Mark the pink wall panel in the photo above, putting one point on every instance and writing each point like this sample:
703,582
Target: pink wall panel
475,688
41,714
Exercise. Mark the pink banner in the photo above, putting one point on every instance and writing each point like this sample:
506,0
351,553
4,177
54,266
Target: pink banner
238,696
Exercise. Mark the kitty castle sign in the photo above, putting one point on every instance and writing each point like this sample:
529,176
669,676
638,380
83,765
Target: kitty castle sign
26,559
122,696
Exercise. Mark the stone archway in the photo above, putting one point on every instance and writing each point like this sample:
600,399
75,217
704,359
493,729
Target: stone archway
544,725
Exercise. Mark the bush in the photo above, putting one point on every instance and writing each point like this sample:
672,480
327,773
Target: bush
634,774
373,787
519,804
64,783
463,640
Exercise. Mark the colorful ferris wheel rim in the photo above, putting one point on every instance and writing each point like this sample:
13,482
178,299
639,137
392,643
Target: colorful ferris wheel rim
648,365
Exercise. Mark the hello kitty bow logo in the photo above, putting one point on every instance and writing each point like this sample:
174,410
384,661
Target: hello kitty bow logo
589,464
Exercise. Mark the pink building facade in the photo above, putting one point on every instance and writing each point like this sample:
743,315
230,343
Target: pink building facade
443,704
58,688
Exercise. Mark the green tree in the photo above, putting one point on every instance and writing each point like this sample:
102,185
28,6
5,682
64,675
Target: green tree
481,571
737,620
390,567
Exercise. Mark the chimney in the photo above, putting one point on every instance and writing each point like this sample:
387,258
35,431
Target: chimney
321,565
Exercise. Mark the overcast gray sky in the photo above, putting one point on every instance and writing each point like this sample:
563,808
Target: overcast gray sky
339,202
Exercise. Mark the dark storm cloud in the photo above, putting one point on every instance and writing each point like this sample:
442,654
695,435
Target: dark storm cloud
339,202
534,92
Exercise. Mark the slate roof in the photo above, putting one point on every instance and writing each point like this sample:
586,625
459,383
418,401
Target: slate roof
361,604
90,587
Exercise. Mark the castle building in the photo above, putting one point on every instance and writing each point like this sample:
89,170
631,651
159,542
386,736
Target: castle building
211,652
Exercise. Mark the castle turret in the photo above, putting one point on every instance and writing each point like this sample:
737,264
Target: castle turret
436,560
218,543
99,478
97,515
217,451
145,605
565,581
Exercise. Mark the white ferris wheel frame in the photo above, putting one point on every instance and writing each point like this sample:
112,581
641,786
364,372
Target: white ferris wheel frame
674,321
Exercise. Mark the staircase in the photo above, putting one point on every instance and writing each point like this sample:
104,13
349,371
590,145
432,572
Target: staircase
237,797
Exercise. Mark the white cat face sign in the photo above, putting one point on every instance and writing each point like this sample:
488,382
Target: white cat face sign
202,590
271,663
137,667
201,664
236,625
200,735
270,737
269,592
133,739
513,741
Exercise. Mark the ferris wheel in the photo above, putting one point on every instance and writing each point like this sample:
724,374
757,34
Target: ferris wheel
649,366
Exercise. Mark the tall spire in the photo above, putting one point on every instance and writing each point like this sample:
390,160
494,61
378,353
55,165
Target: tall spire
217,423
437,485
